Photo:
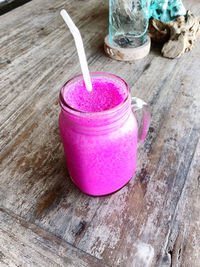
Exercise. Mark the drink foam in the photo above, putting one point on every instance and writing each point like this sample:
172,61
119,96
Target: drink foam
106,94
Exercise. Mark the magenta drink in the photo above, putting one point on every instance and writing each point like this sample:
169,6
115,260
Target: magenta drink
99,133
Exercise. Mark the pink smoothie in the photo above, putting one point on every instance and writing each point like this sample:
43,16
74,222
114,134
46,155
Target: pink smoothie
106,94
100,142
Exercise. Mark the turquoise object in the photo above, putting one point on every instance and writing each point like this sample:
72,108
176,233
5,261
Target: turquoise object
166,10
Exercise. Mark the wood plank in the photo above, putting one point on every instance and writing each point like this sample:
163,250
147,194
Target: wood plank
24,244
183,240
135,225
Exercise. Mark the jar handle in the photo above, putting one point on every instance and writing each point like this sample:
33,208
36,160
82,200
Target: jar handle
143,125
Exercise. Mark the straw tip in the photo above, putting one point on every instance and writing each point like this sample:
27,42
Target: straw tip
89,87
63,11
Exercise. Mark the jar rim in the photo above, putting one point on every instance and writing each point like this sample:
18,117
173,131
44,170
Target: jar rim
77,112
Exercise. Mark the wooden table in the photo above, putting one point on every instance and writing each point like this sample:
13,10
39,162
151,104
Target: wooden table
44,219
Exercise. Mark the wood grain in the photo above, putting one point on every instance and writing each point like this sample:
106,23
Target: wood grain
24,244
154,220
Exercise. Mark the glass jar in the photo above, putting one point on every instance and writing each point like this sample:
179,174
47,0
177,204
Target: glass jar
128,22
101,147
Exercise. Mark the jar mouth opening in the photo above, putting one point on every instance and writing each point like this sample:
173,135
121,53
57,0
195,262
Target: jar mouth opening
66,107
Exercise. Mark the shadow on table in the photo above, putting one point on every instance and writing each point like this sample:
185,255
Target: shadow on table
6,5
156,49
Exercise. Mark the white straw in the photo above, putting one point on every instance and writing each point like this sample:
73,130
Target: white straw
80,49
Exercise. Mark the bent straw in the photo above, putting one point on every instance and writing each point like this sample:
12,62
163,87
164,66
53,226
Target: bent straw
80,48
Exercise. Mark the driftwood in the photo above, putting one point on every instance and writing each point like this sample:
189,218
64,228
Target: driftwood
178,36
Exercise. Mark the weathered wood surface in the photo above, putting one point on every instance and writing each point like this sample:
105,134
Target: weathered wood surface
29,245
44,219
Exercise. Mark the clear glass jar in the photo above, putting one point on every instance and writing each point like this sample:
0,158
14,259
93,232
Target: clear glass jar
128,22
